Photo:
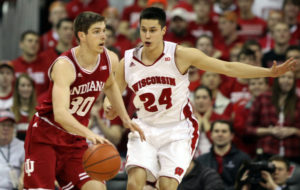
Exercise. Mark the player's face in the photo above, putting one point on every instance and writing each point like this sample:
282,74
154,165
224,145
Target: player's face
257,86
151,33
286,81
281,173
96,36
6,77
6,130
25,88
221,135
202,101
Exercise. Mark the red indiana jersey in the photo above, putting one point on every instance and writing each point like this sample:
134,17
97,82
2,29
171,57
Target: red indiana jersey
83,93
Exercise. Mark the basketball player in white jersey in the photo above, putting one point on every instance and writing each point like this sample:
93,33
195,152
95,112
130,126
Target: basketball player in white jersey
157,73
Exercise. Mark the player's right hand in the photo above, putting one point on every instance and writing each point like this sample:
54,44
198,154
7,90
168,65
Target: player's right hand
96,139
134,127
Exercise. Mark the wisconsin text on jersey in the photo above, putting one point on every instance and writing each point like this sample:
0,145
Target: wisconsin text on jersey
153,80
87,87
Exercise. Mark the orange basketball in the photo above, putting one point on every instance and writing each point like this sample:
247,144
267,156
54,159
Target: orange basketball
101,162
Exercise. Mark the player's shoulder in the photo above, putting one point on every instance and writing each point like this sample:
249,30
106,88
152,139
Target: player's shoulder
112,56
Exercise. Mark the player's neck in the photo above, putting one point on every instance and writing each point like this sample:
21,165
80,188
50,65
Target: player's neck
86,58
151,55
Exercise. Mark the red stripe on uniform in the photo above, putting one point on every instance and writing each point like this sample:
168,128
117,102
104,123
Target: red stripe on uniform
188,114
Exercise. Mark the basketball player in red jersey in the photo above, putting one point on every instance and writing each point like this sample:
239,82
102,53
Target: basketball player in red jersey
57,134
157,73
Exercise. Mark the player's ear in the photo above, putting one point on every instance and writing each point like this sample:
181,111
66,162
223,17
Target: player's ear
164,30
81,36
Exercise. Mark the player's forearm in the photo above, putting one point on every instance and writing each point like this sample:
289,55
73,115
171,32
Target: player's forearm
115,98
242,70
70,124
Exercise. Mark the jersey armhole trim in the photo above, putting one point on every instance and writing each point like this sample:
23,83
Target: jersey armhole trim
68,60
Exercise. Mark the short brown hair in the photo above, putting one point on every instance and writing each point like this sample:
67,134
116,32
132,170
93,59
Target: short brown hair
85,20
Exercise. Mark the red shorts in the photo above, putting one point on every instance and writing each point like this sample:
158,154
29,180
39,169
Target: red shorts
45,163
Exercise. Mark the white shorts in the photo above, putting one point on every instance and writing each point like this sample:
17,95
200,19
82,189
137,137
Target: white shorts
167,151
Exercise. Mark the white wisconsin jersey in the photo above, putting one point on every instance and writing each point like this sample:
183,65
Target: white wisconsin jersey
161,90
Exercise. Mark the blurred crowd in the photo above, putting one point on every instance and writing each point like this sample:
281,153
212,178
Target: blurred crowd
241,120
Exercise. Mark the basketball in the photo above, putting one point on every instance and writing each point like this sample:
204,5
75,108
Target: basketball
101,162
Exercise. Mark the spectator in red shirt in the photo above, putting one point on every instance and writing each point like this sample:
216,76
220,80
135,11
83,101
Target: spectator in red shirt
179,27
130,19
24,103
294,51
252,27
6,84
204,23
74,7
241,111
282,36
118,41
65,33
57,11
238,87
205,115
267,42
274,119
31,62
228,28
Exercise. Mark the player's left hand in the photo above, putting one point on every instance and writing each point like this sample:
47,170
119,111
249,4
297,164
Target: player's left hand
288,65
134,127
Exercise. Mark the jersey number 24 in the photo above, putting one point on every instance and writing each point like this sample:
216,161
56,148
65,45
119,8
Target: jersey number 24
164,98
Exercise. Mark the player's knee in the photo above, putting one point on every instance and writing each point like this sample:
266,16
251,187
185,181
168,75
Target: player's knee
168,184
135,184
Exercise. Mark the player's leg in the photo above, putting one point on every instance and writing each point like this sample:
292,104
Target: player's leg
136,178
167,183
93,184
40,161
175,159
39,167
141,162
70,171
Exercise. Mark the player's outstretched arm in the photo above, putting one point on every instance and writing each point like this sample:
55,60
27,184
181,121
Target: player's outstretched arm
185,57
112,91
63,74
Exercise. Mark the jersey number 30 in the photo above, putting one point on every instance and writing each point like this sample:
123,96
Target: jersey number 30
164,98
81,106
